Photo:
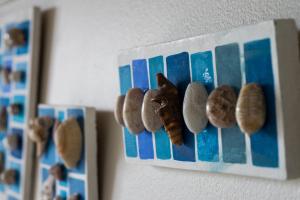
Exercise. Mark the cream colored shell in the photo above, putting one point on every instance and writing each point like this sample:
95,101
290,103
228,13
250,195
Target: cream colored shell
68,141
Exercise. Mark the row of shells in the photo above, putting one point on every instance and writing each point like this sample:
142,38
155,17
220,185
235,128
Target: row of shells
223,108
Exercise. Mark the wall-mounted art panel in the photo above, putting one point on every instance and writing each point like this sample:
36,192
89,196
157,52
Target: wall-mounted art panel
266,54
68,163
19,56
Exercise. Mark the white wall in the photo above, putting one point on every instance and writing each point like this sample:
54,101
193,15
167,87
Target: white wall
81,42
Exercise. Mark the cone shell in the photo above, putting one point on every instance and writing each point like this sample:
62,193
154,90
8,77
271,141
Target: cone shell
132,110
169,110
11,142
150,117
119,110
194,107
9,176
48,188
220,107
68,141
251,108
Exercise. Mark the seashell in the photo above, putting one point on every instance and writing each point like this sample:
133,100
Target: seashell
17,76
9,176
74,197
132,110
220,107
3,118
169,109
5,73
58,198
58,171
15,108
38,131
119,110
14,37
251,108
68,141
150,118
2,162
11,142
48,188
194,107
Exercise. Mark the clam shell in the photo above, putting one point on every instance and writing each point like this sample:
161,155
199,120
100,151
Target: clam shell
9,176
251,108
220,107
48,188
194,107
119,110
68,141
132,110
11,142
150,117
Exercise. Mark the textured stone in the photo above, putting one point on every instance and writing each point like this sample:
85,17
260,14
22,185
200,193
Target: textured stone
251,108
169,109
132,110
150,116
220,107
194,107
119,110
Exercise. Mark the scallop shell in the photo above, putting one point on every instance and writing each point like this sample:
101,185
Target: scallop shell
58,171
194,107
251,108
132,110
3,118
220,107
150,117
48,188
119,110
169,109
11,142
68,141
9,176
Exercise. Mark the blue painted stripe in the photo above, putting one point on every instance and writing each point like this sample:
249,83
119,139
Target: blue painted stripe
125,84
258,68
179,74
163,151
229,73
140,80
207,140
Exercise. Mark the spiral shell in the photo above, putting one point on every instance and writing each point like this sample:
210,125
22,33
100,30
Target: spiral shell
68,141
169,109
132,110
9,176
220,107
251,108
119,110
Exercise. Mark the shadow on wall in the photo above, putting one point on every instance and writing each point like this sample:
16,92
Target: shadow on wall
48,21
109,152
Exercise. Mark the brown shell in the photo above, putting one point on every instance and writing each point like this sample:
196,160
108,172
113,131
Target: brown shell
9,176
169,109
16,76
5,73
251,108
74,197
11,142
3,118
14,37
58,171
220,107
68,141
2,162
15,108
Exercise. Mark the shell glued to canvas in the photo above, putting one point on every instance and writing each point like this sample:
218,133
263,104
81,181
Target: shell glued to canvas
194,107
169,110
74,197
8,177
2,162
3,118
68,142
132,111
14,37
38,131
11,142
119,110
251,108
48,188
150,117
58,171
220,107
